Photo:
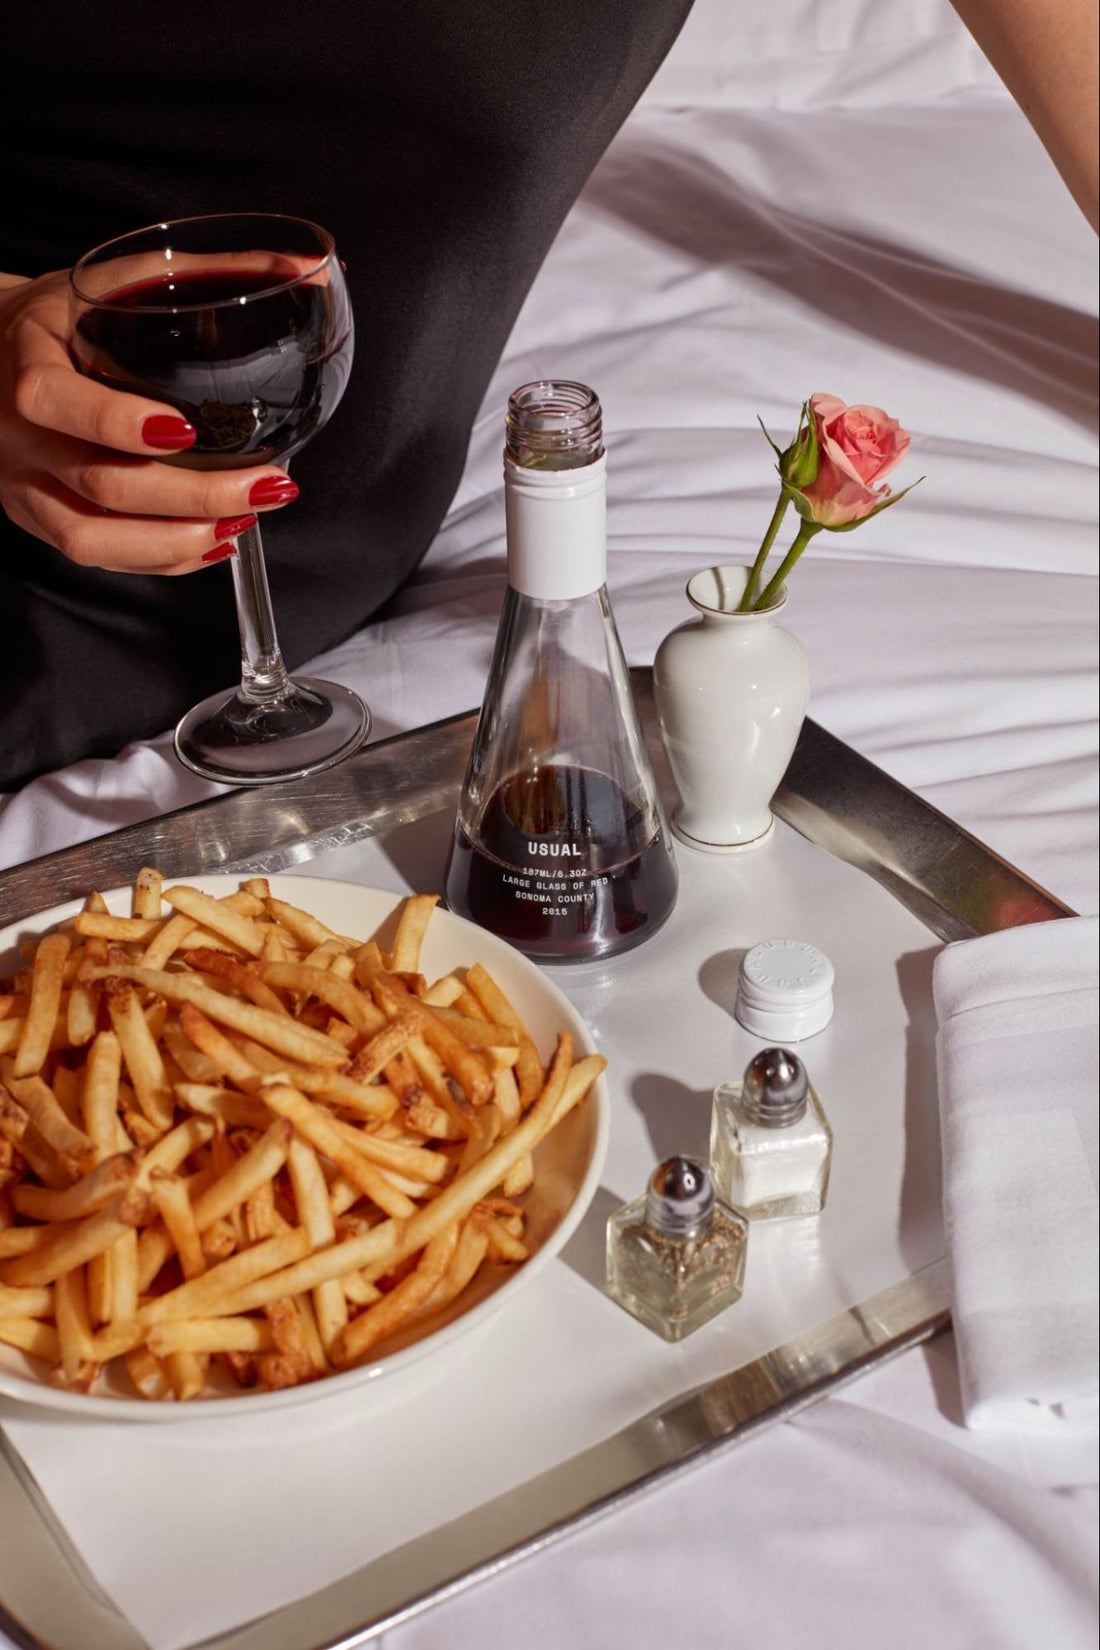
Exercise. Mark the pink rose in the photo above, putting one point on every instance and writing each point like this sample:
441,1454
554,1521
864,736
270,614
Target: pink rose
857,447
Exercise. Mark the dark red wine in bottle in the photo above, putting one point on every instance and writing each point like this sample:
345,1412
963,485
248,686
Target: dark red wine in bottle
564,867
560,843
256,367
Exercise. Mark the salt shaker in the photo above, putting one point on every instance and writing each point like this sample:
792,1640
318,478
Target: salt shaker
770,1141
676,1255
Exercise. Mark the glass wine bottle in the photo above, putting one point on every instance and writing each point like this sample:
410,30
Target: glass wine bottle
560,844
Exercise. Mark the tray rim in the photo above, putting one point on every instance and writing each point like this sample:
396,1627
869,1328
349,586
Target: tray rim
953,883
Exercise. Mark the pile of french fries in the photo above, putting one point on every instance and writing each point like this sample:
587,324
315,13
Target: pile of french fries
234,1140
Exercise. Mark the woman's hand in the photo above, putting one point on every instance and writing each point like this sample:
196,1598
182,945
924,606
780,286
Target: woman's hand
78,462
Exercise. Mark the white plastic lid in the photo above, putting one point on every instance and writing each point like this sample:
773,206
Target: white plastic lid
557,530
785,990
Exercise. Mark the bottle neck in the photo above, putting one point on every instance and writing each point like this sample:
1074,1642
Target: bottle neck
557,529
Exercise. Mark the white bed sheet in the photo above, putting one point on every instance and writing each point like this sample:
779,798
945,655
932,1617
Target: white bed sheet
839,200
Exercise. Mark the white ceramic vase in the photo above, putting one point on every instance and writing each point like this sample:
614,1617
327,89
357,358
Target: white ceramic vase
731,691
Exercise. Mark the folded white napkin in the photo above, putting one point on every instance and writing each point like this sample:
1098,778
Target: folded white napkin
1017,1045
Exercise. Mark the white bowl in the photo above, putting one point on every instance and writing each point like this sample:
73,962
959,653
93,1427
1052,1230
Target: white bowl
567,1163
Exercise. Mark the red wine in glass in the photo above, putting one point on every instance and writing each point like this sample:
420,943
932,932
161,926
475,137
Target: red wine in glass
243,323
202,340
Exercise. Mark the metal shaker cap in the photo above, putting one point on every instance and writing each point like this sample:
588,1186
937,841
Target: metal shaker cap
776,1090
679,1198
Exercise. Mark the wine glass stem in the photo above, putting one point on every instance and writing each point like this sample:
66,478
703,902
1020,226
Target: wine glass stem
263,674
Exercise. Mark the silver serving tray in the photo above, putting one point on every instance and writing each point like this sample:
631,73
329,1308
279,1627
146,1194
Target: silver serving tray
837,799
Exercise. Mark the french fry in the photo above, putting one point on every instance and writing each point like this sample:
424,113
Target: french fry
99,1099
20,1240
463,1065
11,1032
75,1335
480,1033
49,1119
306,929
45,1001
175,1210
205,1296
223,1054
219,1241
33,1336
500,1010
196,1066
66,1087
211,1335
218,916
405,1158
123,1260
502,1245
186,1371
220,1200
92,1192
145,899
312,1124
93,925
471,1250
68,1245
336,1088
237,1109
274,949
506,1097
340,995
243,976
26,1303
416,913
81,1013
377,1322
315,1215
444,993
276,1031
520,1177
140,1054
148,1374
457,1199
167,941
172,1148
375,1055
16,1128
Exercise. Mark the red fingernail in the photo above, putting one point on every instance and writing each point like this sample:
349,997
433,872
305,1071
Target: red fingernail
273,490
220,552
233,526
170,434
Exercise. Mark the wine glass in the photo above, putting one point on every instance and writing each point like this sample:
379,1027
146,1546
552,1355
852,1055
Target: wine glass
243,322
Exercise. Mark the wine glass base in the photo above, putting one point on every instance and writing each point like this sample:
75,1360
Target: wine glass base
238,742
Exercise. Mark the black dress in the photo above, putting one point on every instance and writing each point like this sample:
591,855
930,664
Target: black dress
442,141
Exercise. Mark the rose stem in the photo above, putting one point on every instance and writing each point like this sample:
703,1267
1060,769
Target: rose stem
806,531
745,604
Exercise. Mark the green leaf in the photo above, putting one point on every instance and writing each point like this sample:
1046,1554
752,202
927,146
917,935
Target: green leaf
800,501
768,438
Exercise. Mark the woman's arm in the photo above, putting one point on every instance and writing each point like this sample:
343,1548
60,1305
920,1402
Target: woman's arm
1045,51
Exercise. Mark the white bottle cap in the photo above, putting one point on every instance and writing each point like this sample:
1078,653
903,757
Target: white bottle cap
557,530
785,990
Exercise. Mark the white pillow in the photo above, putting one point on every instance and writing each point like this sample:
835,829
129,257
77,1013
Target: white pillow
816,54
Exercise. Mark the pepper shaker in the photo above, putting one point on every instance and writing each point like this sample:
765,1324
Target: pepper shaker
770,1141
676,1255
